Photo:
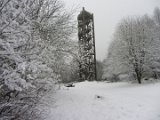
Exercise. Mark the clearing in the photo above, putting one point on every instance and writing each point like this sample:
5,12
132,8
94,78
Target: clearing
106,101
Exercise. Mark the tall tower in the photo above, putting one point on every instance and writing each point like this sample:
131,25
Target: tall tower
87,50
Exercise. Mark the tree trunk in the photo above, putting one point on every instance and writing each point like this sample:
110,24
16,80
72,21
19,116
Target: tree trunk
139,79
139,76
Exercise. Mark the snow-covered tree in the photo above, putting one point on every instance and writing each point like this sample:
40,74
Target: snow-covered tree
134,49
31,33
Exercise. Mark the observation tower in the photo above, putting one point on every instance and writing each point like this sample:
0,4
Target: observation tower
87,50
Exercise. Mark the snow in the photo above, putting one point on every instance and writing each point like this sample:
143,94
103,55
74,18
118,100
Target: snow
105,101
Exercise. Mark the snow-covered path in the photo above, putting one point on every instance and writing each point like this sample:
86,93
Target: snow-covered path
118,101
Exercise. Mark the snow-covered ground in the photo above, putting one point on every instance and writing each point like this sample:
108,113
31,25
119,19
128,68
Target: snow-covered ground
106,101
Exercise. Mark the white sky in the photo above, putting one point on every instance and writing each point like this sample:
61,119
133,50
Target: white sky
107,13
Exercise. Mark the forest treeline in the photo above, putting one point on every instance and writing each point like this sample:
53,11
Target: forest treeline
134,53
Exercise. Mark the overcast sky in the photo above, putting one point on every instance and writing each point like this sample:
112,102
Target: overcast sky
107,13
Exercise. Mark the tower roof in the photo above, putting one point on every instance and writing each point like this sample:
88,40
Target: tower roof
84,15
